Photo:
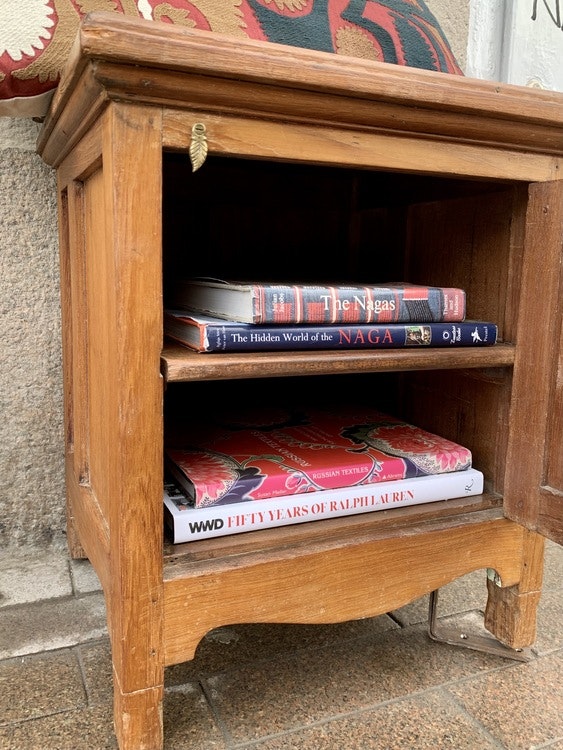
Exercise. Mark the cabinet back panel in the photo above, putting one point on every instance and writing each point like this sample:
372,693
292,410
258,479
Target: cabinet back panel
236,219
469,243
262,220
470,407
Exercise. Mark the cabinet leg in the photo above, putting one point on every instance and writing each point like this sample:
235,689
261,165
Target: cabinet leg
511,612
138,718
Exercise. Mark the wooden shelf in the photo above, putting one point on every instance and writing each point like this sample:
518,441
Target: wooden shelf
180,365
333,532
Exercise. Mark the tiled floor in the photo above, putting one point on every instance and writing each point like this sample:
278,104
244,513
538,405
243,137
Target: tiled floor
379,684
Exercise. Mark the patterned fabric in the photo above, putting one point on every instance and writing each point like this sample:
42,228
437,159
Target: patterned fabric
36,35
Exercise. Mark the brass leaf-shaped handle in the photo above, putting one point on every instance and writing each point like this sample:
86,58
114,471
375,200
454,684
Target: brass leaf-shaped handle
198,146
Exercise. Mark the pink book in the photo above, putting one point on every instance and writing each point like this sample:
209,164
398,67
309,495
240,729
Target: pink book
275,452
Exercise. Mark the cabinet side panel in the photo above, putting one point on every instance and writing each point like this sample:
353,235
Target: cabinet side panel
71,254
75,334
100,306
534,448
551,503
467,242
471,408
554,446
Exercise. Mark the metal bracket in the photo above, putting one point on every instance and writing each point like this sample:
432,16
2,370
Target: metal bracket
454,637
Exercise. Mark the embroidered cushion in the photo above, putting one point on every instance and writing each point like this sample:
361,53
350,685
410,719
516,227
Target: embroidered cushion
36,35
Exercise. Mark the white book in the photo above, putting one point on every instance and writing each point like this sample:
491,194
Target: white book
187,524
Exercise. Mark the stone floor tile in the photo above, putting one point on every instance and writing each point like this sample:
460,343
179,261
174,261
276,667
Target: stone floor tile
224,648
188,722
553,566
37,685
521,706
427,722
50,625
87,729
26,578
462,595
276,696
550,622
83,576
95,659
363,685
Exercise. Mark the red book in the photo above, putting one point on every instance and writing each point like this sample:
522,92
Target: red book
278,304
283,452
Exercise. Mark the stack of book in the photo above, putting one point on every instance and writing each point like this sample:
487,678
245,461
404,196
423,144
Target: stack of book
242,472
220,316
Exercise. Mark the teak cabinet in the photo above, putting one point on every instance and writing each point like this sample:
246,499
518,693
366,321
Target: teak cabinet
315,166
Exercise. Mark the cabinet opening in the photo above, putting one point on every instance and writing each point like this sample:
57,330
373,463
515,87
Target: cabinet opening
255,220
464,406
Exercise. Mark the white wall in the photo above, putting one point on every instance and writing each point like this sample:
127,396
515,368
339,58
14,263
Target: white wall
517,41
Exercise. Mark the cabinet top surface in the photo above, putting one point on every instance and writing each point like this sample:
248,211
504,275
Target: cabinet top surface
117,58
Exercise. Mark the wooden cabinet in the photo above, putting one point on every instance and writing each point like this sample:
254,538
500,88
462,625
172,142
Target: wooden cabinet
317,167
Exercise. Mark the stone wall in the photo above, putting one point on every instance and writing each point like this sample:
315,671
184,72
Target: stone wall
31,440
31,432
454,19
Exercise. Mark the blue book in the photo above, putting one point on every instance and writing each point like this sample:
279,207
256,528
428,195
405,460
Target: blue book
207,334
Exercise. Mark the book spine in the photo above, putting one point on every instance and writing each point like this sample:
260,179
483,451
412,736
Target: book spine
339,304
190,524
454,308
230,337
